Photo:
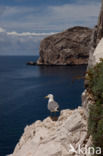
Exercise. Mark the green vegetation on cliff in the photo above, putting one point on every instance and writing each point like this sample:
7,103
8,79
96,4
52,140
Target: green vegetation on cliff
95,88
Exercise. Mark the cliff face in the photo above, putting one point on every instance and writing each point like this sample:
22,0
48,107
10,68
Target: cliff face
100,24
53,138
97,34
96,52
66,48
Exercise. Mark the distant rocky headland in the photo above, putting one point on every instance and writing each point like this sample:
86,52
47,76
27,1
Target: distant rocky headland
70,47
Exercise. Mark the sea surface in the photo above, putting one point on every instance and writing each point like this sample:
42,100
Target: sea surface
22,91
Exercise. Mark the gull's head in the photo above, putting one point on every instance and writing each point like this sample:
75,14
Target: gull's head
49,96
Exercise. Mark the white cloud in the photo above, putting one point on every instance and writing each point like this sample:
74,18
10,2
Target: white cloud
25,43
29,34
2,30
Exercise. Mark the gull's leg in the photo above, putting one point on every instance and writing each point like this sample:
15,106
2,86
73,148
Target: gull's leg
50,114
54,114
55,117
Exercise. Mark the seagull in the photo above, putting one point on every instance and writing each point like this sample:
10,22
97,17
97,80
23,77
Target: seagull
52,104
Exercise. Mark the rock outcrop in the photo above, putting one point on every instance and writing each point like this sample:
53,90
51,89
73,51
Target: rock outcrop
53,138
100,25
87,98
70,47
98,53
97,34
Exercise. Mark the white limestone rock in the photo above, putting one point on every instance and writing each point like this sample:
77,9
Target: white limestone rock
98,53
87,100
53,138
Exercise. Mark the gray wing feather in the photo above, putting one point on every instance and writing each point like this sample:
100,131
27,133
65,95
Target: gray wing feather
53,106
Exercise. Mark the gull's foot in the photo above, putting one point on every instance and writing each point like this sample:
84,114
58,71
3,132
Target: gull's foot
54,118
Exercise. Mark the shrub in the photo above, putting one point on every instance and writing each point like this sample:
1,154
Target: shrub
95,121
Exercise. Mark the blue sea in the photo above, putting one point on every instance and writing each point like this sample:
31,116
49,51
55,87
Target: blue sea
22,91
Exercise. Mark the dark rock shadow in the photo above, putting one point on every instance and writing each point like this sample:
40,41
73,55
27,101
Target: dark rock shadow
54,118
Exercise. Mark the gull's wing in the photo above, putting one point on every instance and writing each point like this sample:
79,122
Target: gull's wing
53,106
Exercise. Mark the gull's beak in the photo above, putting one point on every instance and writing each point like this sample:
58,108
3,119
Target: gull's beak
46,97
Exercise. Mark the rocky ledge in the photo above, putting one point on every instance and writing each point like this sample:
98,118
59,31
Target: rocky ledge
53,138
70,47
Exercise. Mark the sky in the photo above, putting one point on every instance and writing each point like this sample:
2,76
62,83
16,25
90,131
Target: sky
24,23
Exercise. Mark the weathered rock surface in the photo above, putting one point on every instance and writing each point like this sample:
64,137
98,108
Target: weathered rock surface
87,100
67,48
97,34
96,57
53,138
98,53
100,24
